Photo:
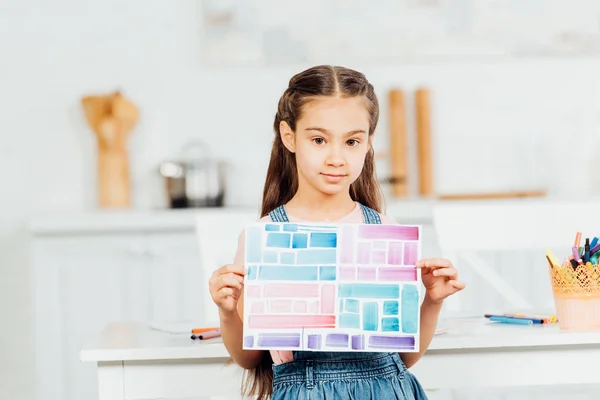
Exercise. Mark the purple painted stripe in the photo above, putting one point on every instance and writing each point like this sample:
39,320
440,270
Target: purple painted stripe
337,340
314,342
388,232
410,253
358,342
392,342
249,341
398,274
279,339
363,253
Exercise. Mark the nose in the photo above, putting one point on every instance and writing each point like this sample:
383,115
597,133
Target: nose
335,157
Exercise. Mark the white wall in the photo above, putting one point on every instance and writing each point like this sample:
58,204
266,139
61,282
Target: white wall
498,124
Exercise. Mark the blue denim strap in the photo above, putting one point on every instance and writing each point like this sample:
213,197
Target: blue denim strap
371,216
279,215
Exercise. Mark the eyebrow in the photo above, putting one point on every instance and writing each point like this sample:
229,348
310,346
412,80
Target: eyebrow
325,131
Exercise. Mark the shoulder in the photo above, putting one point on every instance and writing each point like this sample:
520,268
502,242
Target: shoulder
385,220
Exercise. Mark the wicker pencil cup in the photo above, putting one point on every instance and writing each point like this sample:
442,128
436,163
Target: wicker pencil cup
577,297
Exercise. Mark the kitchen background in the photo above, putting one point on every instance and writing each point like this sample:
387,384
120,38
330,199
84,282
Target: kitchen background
499,123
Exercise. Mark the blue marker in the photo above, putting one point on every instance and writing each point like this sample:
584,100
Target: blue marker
594,242
507,320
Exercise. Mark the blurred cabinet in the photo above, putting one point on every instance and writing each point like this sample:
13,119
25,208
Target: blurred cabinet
81,282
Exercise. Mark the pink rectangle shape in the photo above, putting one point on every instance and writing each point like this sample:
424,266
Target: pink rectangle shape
388,232
280,306
313,307
379,245
257,307
363,253
347,273
290,321
291,290
378,257
398,274
395,253
366,273
300,307
410,253
252,291
327,299
346,245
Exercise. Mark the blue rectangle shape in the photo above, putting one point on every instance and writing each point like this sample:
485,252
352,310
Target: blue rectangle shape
272,228
390,324
270,257
351,306
350,321
369,290
327,273
253,244
252,272
300,241
287,273
370,317
316,256
390,308
290,227
288,258
281,240
410,308
323,239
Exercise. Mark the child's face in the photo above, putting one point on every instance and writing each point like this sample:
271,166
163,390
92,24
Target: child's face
331,142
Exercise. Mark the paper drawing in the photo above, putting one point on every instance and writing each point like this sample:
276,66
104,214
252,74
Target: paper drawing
346,287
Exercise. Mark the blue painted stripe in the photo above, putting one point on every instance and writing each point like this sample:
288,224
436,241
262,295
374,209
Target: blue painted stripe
253,244
410,308
327,273
300,241
370,317
323,239
252,272
271,257
369,290
287,273
351,306
290,227
317,256
288,258
350,321
390,324
272,227
390,308
281,240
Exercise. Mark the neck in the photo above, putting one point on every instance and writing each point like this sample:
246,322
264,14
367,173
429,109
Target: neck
311,204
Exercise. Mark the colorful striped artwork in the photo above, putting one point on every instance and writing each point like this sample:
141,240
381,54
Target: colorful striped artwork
346,287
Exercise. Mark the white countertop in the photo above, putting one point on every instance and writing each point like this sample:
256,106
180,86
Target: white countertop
135,341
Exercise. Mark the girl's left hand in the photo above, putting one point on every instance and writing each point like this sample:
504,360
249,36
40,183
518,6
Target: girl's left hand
440,278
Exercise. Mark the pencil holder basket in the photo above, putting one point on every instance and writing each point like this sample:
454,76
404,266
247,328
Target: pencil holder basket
577,297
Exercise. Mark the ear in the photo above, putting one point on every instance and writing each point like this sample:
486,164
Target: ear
287,136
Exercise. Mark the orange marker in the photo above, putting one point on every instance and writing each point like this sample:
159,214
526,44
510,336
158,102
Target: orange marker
577,240
202,330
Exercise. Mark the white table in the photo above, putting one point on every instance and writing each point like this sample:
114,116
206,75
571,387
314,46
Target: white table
135,362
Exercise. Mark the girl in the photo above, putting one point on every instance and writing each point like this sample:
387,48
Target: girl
322,169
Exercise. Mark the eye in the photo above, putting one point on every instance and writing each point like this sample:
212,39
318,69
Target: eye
319,140
352,142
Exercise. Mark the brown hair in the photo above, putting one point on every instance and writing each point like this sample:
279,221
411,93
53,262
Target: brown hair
281,182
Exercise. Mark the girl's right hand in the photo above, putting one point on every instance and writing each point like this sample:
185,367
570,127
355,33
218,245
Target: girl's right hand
226,286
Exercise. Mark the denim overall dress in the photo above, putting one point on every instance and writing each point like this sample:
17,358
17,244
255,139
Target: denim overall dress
343,375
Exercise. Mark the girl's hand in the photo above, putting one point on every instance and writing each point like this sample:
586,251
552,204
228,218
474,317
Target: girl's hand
226,286
440,278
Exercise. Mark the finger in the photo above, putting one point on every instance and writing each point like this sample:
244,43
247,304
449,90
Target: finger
229,280
234,269
458,285
450,272
433,263
225,292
